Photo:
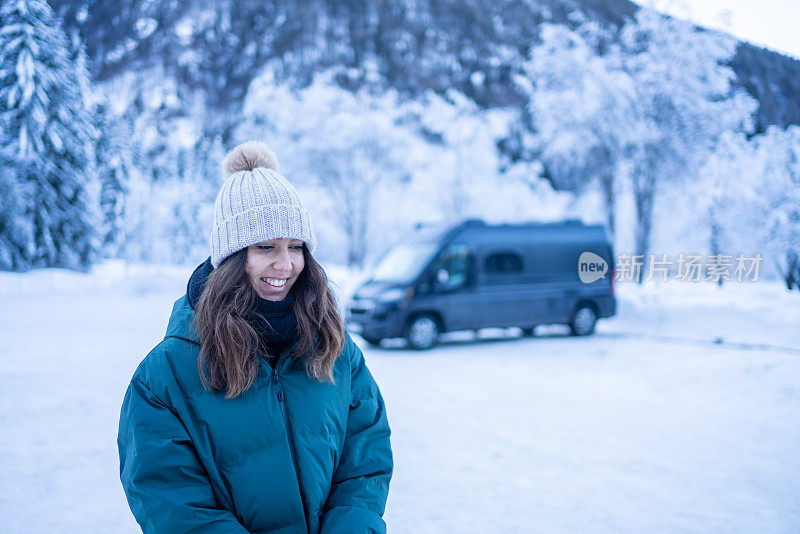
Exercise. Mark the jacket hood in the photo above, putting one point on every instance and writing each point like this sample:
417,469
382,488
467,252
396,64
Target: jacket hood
197,282
181,321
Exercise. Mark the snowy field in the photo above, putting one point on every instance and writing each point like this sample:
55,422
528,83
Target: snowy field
680,415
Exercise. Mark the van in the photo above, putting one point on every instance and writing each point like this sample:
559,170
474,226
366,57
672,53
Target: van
477,275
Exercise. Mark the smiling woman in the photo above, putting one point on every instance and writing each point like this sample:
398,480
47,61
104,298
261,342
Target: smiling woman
273,266
256,413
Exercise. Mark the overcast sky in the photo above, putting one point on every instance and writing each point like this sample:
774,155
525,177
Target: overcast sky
774,24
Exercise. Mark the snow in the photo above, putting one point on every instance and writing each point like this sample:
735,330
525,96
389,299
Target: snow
647,426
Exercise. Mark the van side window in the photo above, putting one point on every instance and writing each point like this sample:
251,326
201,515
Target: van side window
503,263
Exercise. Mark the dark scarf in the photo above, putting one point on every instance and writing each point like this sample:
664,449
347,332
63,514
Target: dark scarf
274,321
276,324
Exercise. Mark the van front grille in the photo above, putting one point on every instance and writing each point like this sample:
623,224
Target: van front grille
360,311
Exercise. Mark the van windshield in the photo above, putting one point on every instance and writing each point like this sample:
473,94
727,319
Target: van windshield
404,262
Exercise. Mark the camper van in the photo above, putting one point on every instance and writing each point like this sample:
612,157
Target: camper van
477,275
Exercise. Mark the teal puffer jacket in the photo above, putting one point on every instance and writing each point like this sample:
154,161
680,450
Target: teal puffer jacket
290,455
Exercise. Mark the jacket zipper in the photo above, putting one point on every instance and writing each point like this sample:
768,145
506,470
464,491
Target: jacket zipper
287,425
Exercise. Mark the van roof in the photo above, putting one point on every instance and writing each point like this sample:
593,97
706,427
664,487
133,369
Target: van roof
477,230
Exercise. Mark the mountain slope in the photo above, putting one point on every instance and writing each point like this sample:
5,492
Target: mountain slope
472,45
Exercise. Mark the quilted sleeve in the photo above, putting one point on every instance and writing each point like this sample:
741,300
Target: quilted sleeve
166,485
361,482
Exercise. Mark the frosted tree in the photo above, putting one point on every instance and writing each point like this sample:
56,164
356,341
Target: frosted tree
747,192
352,152
46,145
685,102
721,200
114,161
374,164
778,199
723,179
159,174
15,227
346,144
581,105
457,152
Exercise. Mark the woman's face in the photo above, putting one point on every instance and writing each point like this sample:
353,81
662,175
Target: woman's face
273,266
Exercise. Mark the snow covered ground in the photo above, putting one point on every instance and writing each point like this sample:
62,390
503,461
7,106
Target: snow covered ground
682,414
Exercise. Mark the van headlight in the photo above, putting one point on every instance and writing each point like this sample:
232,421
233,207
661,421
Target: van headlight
392,295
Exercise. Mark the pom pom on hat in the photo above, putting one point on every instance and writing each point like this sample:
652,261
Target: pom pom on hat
248,156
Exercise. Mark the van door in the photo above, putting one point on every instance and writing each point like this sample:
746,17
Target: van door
554,279
453,287
498,287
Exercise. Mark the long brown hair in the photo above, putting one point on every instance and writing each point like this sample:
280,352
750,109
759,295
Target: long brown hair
228,338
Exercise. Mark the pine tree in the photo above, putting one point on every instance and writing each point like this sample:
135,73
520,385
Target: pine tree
114,163
46,152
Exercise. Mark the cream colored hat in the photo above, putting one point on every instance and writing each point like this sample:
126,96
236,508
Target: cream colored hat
255,204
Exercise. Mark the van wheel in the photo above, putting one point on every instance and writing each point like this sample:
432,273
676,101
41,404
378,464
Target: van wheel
528,332
422,332
583,321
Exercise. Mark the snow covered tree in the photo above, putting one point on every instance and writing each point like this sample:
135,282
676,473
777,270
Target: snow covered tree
723,179
747,196
581,104
685,102
778,200
158,174
373,164
46,144
458,153
114,160
346,158
345,145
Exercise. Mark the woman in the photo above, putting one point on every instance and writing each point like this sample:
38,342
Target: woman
256,413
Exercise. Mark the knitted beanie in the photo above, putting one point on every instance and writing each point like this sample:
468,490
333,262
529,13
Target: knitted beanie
256,204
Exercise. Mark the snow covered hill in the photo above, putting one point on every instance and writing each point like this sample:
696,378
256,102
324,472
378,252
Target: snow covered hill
682,414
